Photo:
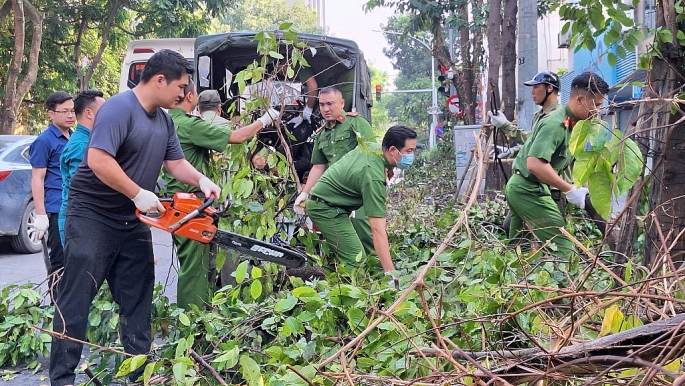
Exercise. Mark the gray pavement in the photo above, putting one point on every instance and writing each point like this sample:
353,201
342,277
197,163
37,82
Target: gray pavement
21,269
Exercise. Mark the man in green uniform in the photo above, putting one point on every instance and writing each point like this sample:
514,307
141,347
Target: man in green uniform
209,107
198,139
545,92
543,156
359,179
341,133
331,77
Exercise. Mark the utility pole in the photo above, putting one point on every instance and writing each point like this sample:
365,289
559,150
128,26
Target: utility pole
527,60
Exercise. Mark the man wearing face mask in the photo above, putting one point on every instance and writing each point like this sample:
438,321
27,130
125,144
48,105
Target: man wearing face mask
359,179
543,156
341,134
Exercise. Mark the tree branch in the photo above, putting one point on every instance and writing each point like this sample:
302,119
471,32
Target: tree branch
77,48
103,43
36,39
5,9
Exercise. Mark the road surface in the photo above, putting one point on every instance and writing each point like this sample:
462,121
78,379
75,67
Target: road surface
22,269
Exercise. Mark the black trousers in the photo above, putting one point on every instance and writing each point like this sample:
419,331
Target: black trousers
95,252
56,255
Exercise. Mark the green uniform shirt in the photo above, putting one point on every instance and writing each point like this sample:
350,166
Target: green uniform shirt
337,139
212,118
357,180
549,141
514,132
198,138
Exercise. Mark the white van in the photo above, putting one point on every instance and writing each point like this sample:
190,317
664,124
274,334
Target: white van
139,51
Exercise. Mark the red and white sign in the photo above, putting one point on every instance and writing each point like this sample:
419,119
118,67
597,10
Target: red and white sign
453,106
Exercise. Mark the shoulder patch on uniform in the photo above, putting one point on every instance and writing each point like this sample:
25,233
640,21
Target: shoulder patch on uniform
352,114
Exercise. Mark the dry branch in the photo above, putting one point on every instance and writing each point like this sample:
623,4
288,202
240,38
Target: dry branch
642,346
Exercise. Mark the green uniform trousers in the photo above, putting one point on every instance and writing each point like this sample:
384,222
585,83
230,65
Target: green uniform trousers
336,227
193,273
532,204
360,222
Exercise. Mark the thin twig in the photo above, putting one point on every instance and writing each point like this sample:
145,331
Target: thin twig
206,365
299,374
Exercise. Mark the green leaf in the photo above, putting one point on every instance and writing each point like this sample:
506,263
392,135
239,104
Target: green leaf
665,35
230,357
286,304
149,370
306,293
255,207
586,131
125,368
599,184
285,26
356,317
256,272
250,371
241,272
94,319
138,361
183,318
611,58
583,167
256,289
179,370
294,325
629,166
275,54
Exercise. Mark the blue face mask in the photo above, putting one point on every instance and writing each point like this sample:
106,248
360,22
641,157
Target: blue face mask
405,162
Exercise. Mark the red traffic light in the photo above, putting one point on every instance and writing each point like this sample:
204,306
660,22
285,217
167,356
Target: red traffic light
378,87
442,68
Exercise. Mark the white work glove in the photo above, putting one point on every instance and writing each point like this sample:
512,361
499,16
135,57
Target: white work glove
307,114
296,121
146,201
209,188
268,117
300,203
576,196
502,152
393,282
498,120
41,224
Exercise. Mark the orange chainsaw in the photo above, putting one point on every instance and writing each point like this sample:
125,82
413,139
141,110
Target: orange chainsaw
188,217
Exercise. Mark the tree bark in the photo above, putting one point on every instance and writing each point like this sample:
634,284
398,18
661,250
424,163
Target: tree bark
84,78
15,91
509,52
494,179
667,188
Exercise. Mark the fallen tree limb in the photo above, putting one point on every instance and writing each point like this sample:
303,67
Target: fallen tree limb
644,346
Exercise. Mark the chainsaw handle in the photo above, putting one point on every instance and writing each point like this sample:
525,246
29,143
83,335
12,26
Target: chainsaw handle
207,204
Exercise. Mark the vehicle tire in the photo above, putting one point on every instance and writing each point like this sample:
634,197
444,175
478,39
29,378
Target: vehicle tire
25,241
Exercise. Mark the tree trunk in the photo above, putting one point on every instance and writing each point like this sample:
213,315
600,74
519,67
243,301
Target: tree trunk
667,190
16,90
509,52
84,77
494,179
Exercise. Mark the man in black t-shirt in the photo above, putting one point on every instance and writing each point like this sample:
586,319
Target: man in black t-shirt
131,139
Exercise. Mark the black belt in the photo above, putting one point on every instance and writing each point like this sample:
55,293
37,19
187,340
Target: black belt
318,199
